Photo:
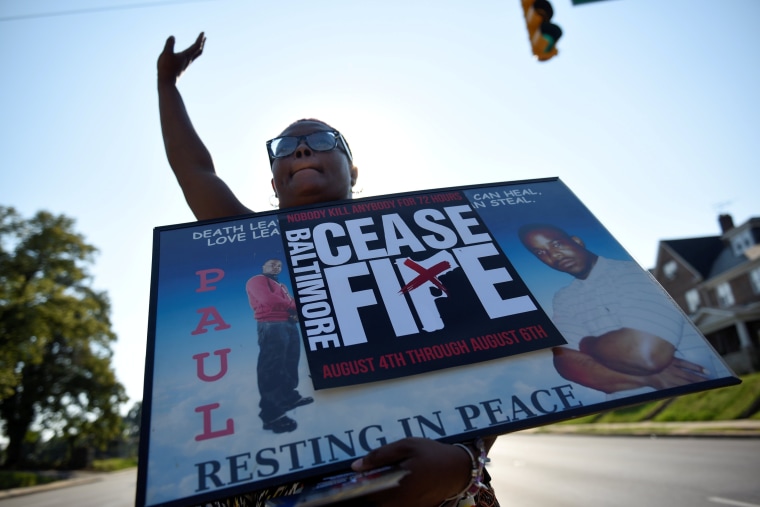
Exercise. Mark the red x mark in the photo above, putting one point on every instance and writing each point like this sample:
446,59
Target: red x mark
425,275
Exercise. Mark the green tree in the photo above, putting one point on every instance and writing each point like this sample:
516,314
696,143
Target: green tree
132,423
55,336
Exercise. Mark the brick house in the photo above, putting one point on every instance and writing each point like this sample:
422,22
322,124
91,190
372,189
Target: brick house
716,281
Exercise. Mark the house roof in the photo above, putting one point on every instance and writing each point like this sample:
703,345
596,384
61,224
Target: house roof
700,253
725,261
712,255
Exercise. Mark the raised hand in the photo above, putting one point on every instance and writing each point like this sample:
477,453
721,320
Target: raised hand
171,65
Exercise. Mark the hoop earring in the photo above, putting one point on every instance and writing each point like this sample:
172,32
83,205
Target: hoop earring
274,201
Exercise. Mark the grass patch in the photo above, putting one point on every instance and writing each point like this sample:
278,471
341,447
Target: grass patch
113,464
634,413
586,419
13,479
724,404
10,479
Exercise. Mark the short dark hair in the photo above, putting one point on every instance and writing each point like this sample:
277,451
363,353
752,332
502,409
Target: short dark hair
526,229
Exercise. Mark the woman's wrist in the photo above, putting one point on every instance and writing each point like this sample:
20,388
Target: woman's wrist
476,454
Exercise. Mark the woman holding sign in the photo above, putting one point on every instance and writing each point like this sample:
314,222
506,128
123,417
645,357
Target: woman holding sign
312,163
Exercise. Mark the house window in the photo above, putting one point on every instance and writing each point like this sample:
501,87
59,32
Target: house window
692,300
741,242
754,277
725,296
670,269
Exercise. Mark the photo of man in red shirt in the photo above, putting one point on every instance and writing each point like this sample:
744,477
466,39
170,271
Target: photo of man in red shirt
279,348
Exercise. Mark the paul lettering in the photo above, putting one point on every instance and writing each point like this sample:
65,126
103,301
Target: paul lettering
206,280
207,432
199,361
210,317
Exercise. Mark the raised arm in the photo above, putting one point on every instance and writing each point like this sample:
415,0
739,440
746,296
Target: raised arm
206,194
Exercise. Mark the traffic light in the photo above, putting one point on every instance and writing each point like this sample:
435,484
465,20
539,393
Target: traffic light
543,34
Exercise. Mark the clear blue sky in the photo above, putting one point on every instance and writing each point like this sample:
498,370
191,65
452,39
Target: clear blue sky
649,113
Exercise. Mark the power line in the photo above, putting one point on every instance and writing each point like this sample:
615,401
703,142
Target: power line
97,9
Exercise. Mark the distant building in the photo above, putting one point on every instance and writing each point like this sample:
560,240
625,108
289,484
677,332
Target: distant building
716,281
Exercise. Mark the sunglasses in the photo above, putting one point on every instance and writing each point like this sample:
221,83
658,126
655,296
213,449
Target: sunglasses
324,140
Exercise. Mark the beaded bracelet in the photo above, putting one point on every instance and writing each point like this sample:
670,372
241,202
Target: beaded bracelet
465,497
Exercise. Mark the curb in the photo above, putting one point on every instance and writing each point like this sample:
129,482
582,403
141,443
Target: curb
63,483
702,429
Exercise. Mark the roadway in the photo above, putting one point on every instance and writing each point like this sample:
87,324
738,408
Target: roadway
578,471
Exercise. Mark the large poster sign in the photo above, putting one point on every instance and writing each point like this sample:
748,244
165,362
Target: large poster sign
405,285
284,345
